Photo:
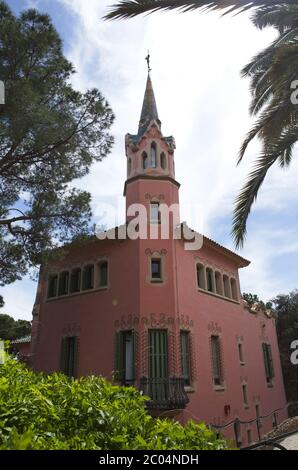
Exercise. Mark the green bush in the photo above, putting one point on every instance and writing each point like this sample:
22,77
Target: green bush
40,411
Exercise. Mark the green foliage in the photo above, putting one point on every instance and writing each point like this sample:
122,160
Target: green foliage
11,329
286,309
56,412
50,135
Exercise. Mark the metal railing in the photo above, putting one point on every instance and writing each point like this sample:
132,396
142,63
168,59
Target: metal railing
236,423
164,393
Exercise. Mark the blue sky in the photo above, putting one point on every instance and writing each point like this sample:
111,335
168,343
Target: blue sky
203,102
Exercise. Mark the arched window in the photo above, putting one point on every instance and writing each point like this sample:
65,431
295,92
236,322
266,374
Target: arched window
144,161
201,276
163,161
88,277
226,284
103,274
218,283
153,155
63,283
75,280
210,282
234,289
129,166
52,286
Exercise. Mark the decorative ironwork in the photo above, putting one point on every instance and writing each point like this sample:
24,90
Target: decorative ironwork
165,393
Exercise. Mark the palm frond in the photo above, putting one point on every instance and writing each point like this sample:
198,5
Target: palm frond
247,197
282,16
130,8
279,149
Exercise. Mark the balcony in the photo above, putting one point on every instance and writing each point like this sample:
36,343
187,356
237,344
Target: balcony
165,394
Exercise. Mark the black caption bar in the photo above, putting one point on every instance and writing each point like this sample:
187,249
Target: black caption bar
137,459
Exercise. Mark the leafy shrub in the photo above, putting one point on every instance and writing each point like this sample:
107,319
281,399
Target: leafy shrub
40,411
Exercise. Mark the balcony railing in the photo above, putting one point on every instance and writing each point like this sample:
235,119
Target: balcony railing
165,394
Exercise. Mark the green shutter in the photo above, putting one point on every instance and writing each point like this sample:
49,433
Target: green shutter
134,354
158,363
119,355
216,360
185,359
63,355
76,347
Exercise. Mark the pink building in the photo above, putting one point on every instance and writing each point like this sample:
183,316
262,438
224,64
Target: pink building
158,314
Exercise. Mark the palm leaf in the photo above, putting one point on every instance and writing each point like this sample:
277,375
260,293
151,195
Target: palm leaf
131,8
278,150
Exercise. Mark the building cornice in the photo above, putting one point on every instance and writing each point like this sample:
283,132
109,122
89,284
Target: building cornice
149,177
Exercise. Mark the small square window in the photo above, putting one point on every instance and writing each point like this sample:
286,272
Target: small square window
156,269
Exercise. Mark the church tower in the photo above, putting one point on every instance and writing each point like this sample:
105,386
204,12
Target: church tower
150,160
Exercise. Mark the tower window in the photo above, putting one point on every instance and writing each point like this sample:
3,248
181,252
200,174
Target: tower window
88,277
154,213
163,161
103,274
52,286
75,280
63,283
153,155
144,161
129,166
156,274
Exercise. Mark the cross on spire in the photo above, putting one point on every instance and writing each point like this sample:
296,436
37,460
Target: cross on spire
148,62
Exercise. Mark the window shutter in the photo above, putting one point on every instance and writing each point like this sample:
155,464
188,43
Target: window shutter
63,355
76,356
119,355
185,356
216,360
134,354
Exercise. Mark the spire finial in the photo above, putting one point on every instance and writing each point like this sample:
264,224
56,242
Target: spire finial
148,62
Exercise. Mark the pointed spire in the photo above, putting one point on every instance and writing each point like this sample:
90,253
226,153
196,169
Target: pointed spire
149,109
